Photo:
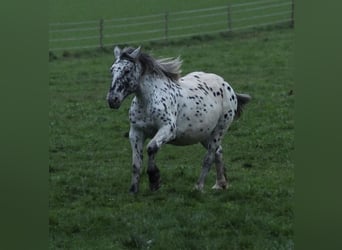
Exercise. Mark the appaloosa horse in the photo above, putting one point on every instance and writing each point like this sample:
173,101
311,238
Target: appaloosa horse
198,107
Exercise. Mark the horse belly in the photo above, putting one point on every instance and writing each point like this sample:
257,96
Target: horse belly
189,138
192,128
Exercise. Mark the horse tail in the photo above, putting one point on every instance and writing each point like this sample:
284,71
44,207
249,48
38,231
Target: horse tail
242,100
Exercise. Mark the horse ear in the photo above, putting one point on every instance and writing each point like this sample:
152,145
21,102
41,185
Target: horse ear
117,52
135,53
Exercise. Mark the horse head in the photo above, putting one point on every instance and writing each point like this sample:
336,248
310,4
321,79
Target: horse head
126,72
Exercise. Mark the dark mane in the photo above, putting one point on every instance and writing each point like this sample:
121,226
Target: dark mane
168,67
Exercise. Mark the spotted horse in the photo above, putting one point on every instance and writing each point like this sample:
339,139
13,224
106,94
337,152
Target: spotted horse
196,108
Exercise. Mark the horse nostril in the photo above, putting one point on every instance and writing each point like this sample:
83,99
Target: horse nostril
114,102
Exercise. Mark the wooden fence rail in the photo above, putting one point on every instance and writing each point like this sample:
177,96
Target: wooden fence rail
170,25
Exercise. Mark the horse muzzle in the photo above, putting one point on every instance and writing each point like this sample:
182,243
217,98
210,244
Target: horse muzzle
114,102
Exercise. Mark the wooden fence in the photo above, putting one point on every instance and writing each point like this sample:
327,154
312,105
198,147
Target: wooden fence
170,25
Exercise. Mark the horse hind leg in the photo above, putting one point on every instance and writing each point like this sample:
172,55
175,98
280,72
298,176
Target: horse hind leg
211,157
207,162
221,179
213,145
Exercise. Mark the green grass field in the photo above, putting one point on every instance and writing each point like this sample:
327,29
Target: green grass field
90,161
85,10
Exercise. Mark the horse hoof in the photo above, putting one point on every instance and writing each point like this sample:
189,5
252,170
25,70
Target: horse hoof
220,186
198,188
155,186
154,179
133,189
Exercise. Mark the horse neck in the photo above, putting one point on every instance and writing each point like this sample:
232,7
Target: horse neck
149,86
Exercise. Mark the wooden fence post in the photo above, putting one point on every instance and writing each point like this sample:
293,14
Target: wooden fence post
229,19
166,26
101,33
292,14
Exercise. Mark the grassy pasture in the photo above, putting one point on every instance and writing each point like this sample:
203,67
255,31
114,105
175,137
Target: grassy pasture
90,161
85,10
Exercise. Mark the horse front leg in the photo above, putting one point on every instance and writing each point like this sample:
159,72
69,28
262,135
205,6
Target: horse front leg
137,139
164,135
153,172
